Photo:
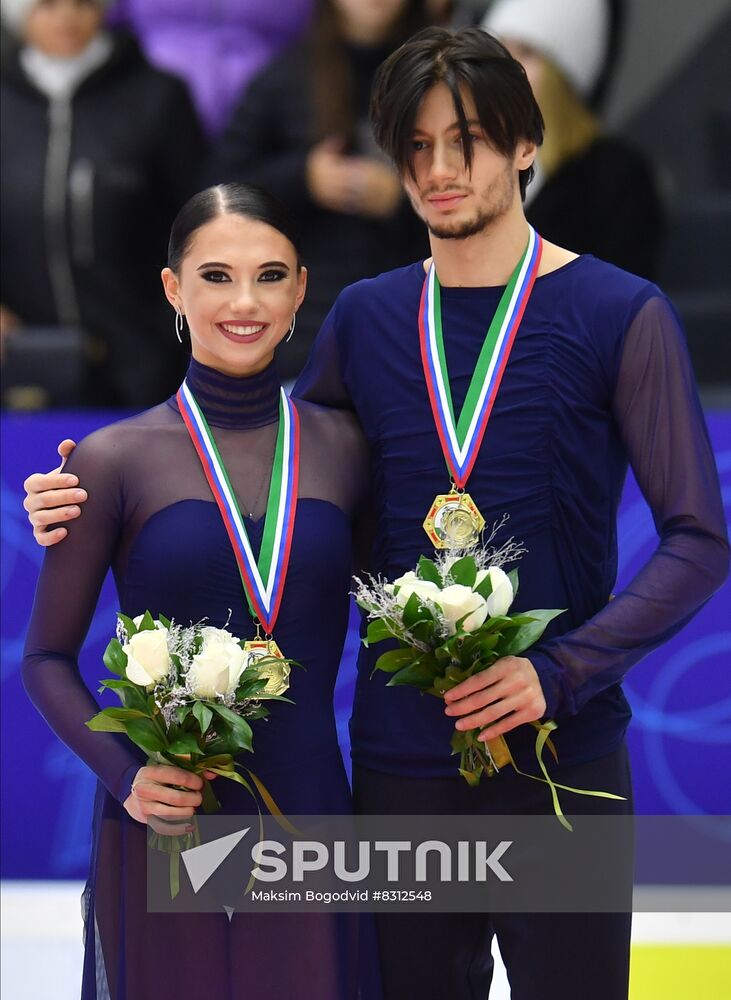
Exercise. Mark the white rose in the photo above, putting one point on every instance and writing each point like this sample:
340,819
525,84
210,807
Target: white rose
219,664
457,601
148,660
410,583
499,601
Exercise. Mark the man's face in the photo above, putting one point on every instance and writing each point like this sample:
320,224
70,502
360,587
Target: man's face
453,202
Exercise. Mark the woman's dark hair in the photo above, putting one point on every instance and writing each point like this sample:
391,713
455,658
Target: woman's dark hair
247,200
470,58
331,72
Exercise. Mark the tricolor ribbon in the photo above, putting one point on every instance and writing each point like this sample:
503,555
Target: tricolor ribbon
461,439
263,579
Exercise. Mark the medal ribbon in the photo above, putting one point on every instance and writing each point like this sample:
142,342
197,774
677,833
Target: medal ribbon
263,580
461,439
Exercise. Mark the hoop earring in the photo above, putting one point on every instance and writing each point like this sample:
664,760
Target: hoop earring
291,329
179,325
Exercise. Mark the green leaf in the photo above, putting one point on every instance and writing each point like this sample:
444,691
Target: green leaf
377,631
484,588
224,742
464,571
240,729
462,739
185,743
472,777
456,674
103,724
262,711
416,611
524,637
420,673
124,713
147,623
442,654
496,624
118,684
395,659
115,659
427,570
129,626
130,694
181,713
518,620
485,644
203,714
165,621
513,577
133,697
250,687
145,734
425,632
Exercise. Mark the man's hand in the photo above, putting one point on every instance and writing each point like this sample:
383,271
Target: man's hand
52,497
354,185
501,698
330,177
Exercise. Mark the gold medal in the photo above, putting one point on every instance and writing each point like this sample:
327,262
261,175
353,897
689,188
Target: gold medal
260,649
454,521
265,656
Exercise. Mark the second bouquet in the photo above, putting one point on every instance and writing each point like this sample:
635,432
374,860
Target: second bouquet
450,617
188,694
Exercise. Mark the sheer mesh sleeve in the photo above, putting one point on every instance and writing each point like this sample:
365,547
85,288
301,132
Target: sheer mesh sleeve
322,380
660,421
67,593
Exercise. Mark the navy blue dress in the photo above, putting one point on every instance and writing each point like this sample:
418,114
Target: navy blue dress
150,515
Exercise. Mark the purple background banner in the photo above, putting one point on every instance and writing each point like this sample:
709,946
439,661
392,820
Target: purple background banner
680,738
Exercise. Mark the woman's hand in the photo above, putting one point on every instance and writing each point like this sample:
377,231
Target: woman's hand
52,497
154,799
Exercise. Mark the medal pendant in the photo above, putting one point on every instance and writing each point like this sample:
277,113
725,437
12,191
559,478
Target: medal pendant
261,649
454,521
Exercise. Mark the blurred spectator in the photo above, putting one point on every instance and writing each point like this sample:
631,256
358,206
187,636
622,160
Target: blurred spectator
98,152
593,193
302,131
215,47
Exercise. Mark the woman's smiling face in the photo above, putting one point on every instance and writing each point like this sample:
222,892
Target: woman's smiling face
238,287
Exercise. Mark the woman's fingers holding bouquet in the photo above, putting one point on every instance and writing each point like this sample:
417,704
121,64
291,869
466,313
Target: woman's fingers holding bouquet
154,793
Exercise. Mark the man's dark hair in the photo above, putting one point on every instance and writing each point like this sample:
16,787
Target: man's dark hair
247,200
506,107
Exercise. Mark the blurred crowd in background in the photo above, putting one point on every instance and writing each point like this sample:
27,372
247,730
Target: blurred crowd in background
113,113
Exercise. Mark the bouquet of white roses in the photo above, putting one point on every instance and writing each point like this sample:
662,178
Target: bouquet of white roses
187,692
450,617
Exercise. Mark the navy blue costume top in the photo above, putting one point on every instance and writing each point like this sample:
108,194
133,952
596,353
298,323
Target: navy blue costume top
151,516
598,375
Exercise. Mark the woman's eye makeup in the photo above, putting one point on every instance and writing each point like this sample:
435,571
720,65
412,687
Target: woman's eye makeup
215,276
268,274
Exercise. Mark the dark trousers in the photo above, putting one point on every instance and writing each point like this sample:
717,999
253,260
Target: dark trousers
447,956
